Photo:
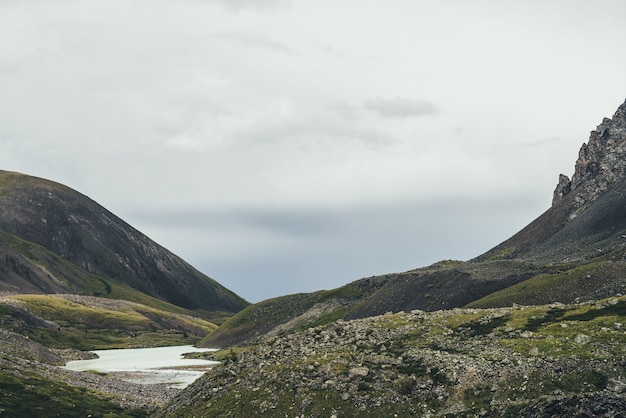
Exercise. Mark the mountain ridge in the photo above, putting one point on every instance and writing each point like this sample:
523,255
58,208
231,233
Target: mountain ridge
73,228
599,174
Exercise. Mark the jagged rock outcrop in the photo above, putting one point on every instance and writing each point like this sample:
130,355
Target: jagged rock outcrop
562,189
586,219
601,162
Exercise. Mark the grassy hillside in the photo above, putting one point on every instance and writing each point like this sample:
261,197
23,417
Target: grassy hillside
56,240
87,323
33,385
564,283
492,282
446,284
284,314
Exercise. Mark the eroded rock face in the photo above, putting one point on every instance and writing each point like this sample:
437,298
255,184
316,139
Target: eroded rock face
562,189
601,161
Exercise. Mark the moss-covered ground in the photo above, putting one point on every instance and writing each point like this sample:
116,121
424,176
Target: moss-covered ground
456,363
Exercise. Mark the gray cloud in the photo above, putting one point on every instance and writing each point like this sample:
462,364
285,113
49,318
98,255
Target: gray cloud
317,131
255,41
553,140
343,111
399,107
295,222
249,4
308,250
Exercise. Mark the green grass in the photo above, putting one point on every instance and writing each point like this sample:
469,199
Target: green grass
271,399
541,289
77,325
482,326
263,316
537,384
349,291
556,329
66,312
29,395
124,292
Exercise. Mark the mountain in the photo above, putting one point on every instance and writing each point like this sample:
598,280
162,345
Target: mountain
574,251
587,217
56,240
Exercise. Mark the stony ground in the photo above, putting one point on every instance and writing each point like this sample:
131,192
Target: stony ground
551,360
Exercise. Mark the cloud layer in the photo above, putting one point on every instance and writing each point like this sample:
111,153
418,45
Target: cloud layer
285,146
399,107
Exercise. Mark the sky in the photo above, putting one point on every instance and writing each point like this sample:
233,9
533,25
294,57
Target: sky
287,146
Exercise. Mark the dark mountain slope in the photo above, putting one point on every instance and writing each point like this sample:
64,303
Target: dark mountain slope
588,213
26,267
556,237
74,228
442,286
576,249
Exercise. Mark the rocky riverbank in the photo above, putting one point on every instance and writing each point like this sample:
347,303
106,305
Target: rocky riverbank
23,358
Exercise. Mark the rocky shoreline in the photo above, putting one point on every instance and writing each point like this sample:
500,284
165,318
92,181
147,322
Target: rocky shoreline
20,355
126,394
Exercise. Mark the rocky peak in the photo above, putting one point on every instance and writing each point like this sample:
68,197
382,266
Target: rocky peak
601,161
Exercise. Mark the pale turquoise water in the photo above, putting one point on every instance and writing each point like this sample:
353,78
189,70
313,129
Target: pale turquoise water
148,365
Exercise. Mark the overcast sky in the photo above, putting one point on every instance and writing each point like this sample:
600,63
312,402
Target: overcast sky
290,146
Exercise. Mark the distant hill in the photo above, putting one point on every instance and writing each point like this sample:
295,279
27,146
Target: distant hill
575,251
55,240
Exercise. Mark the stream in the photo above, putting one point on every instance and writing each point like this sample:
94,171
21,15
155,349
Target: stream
160,365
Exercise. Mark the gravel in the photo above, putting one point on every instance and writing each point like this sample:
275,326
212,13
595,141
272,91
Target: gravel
20,354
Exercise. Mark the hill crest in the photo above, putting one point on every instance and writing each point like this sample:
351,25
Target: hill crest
46,223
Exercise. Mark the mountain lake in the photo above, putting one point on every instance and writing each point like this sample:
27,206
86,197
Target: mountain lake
160,365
